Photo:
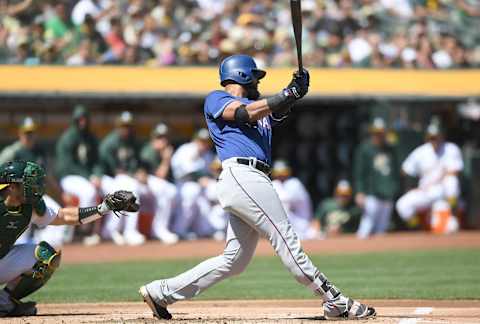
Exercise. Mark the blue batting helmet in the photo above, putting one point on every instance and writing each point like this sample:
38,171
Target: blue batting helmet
241,69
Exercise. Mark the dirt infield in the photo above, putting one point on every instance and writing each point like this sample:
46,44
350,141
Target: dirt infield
106,252
257,311
261,311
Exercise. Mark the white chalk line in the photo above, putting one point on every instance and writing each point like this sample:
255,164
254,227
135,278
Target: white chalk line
418,311
423,310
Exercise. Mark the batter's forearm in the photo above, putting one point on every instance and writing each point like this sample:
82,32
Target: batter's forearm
275,104
236,111
258,110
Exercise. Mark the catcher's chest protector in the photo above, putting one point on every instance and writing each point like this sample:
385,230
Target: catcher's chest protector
13,222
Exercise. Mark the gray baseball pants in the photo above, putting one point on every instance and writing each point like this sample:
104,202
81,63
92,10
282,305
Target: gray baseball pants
255,210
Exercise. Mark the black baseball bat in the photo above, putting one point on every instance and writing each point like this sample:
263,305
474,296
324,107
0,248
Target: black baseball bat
296,8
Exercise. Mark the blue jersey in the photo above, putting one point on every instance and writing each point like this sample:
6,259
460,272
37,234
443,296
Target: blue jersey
233,140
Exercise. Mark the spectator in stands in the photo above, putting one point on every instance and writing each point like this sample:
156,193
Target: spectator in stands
295,199
88,32
100,10
156,158
376,176
190,162
14,9
58,26
338,214
76,159
83,56
26,147
115,41
434,34
118,165
438,165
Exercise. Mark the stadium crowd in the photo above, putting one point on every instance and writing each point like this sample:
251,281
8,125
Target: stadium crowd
337,33
176,187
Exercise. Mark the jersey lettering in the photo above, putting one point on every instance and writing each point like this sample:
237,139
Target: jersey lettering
264,123
82,153
381,163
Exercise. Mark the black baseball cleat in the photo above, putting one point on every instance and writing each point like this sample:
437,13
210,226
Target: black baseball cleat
22,309
159,311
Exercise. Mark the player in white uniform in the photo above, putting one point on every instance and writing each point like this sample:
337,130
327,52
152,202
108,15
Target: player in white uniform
437,164
190,162
24,268
216,216
156,159
295,199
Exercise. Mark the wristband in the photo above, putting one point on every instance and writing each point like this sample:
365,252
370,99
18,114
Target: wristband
281,100
88,214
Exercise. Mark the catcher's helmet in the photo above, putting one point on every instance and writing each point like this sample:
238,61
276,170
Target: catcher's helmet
241,69
30,174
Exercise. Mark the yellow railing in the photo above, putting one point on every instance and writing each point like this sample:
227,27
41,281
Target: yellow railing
199,80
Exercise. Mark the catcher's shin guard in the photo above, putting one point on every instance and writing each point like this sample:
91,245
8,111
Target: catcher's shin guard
48,260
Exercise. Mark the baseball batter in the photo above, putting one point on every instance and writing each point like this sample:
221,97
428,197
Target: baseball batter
437,164
241,127
24,268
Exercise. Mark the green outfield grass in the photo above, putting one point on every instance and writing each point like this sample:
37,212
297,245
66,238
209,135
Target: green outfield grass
451,274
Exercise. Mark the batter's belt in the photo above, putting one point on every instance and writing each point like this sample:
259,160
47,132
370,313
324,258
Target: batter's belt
257,164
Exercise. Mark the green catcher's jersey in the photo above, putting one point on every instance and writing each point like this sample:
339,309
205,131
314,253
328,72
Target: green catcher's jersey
14,221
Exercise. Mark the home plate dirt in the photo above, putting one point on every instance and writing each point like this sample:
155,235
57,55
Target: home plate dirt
255,311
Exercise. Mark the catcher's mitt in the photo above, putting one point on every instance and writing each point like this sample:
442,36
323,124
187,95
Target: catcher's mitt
122,200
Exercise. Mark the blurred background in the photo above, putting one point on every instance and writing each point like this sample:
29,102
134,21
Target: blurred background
380,69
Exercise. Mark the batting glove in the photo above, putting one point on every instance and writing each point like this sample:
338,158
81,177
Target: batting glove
298,87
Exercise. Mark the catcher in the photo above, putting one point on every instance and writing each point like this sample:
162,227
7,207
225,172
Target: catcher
25,268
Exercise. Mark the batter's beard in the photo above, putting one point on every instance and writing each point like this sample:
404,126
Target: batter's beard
252,92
